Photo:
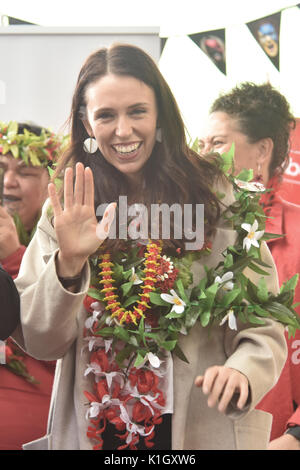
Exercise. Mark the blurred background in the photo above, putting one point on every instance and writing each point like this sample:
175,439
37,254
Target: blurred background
202,48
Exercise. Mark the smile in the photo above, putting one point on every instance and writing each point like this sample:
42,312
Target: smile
124,149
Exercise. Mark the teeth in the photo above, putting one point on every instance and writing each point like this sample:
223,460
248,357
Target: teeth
126,148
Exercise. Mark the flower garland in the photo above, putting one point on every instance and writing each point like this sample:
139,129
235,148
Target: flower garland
36,150
130,346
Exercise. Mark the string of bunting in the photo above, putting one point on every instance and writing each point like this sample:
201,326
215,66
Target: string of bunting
266,32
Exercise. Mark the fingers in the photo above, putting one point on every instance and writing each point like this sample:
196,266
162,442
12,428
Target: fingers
89,187
57,210
80,192
79,184
220,384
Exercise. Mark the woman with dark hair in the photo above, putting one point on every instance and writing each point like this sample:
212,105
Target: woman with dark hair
117,383
258,120
10,305
25,383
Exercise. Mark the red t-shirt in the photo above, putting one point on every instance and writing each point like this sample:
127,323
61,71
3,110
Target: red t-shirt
24,407
283,401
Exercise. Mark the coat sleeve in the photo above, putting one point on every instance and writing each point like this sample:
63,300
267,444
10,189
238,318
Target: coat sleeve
48,311
259,352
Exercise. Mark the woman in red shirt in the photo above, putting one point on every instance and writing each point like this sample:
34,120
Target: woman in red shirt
25,383
258,120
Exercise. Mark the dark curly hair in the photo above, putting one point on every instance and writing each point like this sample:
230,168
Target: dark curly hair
261,112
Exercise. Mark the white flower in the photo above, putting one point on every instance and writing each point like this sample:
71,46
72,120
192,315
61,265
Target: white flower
253,235
134,277
228,285
153,359
230,317
179,304
97,310
251,186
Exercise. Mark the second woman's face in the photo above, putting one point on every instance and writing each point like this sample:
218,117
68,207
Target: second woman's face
122,116
221,132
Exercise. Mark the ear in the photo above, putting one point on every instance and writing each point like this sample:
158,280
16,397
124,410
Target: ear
265,151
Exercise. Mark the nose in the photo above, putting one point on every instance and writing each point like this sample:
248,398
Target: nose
10,180
123,127
206,147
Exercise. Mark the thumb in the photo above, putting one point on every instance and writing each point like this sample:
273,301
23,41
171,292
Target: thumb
103,227
199,381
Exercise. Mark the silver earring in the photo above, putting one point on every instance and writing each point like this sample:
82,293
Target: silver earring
90,145
159,135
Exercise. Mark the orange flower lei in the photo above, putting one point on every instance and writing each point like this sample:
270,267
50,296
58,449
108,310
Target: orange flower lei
152,256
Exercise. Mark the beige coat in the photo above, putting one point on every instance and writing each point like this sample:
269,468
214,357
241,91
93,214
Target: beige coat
52,329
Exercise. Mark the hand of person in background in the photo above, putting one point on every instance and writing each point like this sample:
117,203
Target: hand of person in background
9,240
76,223
220,383
285,442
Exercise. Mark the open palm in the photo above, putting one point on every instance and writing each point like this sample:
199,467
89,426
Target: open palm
76,224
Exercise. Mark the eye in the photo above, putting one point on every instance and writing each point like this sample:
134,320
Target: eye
217,143
104,115
138,111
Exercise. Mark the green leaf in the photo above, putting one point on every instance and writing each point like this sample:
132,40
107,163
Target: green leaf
254,319
228,262
139,360
257,270
262,290
260,311
124,354
205,317
228,298
181,291
174,315
126,287
131,300
227,158
95,294
157,300
14,150
107,331
121,333
179,353
290,284
245,175
169,345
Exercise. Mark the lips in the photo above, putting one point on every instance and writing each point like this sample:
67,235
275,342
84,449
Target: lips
11,198
127,150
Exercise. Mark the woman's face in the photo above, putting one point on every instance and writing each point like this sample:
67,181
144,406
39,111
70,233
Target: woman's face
221,132
122,116
24,189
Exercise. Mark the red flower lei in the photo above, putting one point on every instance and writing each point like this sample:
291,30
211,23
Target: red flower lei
130,399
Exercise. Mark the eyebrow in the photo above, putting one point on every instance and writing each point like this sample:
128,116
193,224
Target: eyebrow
107,108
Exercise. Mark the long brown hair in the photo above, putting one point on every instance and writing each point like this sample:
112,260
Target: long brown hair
174,173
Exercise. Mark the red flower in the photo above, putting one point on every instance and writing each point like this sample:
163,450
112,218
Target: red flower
141,412
145,380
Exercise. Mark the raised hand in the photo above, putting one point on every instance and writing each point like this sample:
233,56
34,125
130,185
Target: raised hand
76,224
9,240
220,383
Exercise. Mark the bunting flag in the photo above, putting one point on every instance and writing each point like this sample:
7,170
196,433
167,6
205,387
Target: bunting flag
162,44
267,33
212,43
10,20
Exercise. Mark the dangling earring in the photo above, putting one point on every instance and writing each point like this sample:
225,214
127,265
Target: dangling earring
90,145
258,177
158,135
